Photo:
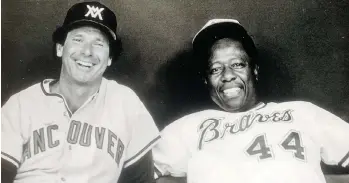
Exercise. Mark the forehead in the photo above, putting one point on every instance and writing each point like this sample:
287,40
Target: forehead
227,47
227,43
88,31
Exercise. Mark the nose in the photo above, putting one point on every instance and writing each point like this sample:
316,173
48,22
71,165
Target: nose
87,49
228,75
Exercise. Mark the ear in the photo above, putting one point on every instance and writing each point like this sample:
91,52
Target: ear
59,50
255,72
109,61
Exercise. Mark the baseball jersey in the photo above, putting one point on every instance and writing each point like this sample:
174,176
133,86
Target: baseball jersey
48,143
273,142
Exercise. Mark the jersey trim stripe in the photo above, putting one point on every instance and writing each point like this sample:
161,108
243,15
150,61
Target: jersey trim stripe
143,150
11,158
47,93
260,105
157,172
48,82
345,161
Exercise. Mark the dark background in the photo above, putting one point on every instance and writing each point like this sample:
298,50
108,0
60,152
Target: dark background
303,45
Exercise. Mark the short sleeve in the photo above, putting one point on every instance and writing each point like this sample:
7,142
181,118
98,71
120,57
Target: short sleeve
144,132
11,137
171,155
333,135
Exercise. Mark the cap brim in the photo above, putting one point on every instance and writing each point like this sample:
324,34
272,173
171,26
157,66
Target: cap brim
212,33
66,28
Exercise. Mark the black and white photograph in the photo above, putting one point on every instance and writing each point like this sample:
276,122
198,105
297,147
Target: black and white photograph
187,91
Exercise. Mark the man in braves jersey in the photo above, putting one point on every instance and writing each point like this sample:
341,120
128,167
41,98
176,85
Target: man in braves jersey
81,127
247,141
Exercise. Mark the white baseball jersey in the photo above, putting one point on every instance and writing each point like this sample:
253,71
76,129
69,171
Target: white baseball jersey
274,143
48,143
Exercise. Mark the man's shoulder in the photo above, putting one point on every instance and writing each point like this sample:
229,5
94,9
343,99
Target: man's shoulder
117,94
193,119
34,90
115,88
26,97
296,104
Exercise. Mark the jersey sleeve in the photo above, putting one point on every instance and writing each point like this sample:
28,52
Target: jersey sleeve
333,135
171,154
11,137
144,132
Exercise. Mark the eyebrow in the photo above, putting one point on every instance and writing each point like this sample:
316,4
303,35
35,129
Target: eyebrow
212,64
77,35
101,39
81,35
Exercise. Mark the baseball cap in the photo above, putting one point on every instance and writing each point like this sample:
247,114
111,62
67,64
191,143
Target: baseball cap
217,29
88,13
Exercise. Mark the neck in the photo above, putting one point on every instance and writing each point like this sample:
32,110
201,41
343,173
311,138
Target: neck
252,104
75,94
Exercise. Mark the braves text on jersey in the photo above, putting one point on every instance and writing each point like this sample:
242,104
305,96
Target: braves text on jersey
48,143
273,142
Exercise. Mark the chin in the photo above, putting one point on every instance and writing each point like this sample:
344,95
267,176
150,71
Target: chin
232,105
83,80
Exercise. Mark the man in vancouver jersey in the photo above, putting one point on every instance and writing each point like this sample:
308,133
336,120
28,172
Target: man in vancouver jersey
247,141
81,127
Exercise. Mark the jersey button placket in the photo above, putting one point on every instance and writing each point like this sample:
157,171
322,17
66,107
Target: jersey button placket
66,114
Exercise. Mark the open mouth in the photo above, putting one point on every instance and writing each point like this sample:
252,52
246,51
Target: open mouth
85,64
232,92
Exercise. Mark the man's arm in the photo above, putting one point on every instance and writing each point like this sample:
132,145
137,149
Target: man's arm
337,178
331,133
11,139
335,174
334,169
169,179
142,171
8,171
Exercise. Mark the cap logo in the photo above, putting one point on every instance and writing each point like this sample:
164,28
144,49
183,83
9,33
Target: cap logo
94,12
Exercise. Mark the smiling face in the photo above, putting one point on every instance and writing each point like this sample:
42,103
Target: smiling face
230,77
85,55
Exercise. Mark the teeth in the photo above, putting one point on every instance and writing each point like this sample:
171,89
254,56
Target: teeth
231,91
86,64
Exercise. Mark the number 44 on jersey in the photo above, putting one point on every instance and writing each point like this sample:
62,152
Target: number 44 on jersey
292,143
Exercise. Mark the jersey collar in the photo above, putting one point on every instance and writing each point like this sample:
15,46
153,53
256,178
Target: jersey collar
258,106
45,86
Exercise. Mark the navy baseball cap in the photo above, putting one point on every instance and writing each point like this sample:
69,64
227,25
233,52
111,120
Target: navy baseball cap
217,29
91,14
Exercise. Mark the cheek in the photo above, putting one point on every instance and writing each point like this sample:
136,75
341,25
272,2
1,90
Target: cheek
246,76
213,82
103,55
71,52
248,80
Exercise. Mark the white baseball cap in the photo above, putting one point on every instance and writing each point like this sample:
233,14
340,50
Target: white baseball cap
214,22
216,29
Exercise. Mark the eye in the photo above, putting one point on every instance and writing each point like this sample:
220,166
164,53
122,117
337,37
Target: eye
78,40
99,43
238,65
215,70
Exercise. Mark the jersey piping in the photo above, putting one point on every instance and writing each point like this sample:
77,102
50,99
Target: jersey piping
45,84
345,161
11,158
142,150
